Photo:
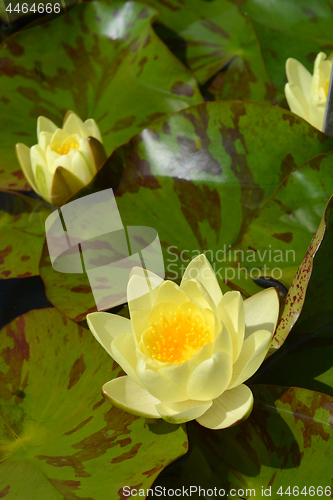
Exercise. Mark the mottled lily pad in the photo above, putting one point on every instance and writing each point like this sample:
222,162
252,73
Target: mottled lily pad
210,36
59,437
22,222
287,441
291,28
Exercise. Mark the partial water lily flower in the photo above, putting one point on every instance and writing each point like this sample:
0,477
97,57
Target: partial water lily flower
187,349
64,160
307,94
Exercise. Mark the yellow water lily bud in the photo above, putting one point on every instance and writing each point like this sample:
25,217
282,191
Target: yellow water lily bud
307,94
187,349
64,160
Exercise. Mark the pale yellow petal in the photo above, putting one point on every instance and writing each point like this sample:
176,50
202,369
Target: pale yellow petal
140,322
58,138
298,75
44,139
178,413
45,125
141,289
297,101
92,130
23,156
160,387
231,407
251,357
124,352
165,308
74,125
210,378
170,292
321,72
44,181
317,111
82,166
261,311
231,313
105,327
197,293
223,341
201,270
125,394
37,157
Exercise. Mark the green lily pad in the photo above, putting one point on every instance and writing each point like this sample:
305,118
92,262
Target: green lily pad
209,36
199,177
306,362
22,222
59,437
285,442
290,28
281,234
101,60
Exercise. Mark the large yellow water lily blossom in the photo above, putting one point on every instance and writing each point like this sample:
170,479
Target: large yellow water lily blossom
64,160
307,94
187,349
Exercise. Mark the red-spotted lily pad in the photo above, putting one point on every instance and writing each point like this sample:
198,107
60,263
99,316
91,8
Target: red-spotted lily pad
286,442
199,177
101,60
22,222
290,28
209,36
59,437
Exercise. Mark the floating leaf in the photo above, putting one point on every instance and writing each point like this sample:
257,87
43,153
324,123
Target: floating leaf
302,297
58,435
198,177
102,61
285,442
289,28
306,362
209,36
22,222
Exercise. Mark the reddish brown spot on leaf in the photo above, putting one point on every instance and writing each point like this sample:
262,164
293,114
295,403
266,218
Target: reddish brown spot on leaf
18,174
81,289
79,426
15,48
24,275
287,166
128,455
4,252
4,492
287,237
123,123
76,372
181,88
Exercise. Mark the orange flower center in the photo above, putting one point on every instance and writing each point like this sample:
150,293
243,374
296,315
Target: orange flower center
175,339
65,148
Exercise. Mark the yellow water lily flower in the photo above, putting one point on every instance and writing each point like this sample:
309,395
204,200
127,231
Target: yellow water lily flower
64,160
307,94
187,349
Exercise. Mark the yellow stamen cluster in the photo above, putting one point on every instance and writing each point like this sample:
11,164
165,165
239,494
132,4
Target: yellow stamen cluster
176,338
65,148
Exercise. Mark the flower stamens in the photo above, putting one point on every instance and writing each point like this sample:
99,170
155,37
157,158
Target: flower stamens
176,338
